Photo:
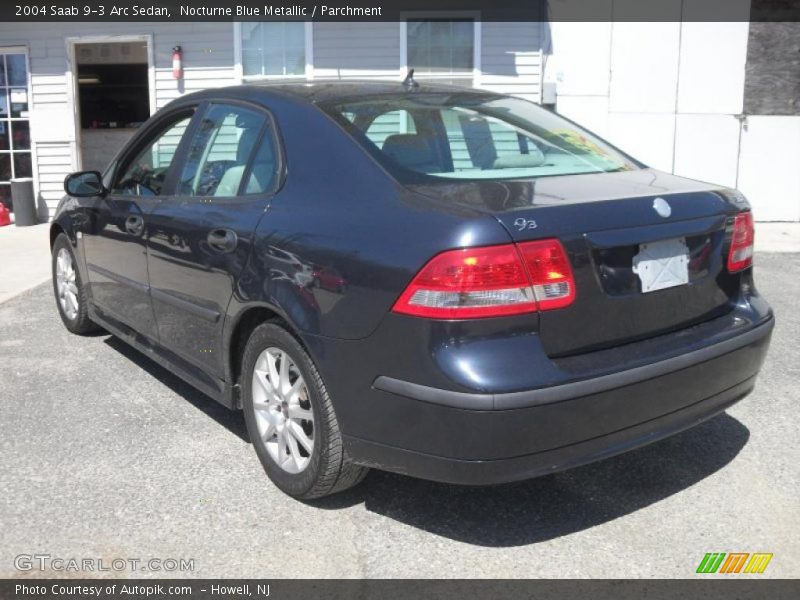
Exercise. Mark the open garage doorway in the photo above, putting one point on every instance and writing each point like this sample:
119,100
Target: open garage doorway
112,92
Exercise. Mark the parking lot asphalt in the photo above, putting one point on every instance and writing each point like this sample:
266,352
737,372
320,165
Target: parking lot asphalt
106,455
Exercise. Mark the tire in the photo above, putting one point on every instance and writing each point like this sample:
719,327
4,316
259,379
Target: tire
273,418
71,298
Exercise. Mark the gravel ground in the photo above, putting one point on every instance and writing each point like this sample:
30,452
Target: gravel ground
106,455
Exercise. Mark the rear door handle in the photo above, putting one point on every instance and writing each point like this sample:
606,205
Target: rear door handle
134,225
222,240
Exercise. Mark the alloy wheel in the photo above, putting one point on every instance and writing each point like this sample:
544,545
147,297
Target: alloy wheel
283,410
66,285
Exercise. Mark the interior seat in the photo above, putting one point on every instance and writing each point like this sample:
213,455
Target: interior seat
412,151
229,183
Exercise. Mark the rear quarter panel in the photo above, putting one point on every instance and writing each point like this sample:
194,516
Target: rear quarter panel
342,239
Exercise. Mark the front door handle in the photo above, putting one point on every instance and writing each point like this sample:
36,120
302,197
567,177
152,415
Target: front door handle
222,240
134,225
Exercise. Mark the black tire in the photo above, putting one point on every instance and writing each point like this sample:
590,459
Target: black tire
79,323
328,470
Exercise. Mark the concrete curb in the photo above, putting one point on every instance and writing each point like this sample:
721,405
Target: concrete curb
777,237
24,258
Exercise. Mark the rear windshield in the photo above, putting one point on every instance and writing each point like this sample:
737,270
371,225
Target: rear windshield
473,136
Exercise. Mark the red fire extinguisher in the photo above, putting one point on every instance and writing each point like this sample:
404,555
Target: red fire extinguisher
177,63
5,216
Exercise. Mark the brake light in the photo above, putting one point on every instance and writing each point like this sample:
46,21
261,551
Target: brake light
740,255
550,273
492,281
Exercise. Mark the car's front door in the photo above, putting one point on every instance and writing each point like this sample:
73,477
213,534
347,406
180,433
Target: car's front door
115,244
201,237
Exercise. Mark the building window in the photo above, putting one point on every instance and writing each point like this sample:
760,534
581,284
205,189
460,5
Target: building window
441,48
275,49
15,135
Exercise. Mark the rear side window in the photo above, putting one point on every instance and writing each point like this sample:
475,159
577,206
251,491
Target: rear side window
473,136
232,153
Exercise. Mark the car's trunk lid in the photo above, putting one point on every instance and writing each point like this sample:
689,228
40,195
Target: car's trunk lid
604,221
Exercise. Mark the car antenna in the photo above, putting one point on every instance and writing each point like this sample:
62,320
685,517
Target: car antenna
409,82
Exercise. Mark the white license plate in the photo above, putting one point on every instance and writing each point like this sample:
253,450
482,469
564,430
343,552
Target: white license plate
662,265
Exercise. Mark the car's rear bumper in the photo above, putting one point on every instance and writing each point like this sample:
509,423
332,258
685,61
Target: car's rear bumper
571,390
495,438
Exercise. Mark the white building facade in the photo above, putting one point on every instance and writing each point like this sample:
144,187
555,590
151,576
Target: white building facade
669,94
674,96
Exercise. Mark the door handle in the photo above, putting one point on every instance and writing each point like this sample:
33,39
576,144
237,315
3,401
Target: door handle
134,225
222,240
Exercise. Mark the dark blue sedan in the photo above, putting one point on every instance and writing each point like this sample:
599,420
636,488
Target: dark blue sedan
452,284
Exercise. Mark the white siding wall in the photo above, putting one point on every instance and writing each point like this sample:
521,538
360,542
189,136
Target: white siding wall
510,54
511,59
356,50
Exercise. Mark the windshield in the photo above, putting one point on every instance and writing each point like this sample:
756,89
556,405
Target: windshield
473,136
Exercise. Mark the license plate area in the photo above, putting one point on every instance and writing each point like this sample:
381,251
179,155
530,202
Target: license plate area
663,264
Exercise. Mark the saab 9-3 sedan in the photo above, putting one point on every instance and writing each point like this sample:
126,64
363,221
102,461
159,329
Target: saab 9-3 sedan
447,283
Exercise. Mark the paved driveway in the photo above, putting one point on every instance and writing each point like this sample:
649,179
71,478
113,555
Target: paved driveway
106,455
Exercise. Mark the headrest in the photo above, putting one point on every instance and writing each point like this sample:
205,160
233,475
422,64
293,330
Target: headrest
412,151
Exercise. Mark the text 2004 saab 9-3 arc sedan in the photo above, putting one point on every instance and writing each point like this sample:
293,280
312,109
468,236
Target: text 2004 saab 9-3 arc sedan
453,284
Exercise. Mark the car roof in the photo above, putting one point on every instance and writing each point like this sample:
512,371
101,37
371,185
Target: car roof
333,91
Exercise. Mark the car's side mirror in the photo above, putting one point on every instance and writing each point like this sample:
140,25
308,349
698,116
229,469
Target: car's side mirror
84,184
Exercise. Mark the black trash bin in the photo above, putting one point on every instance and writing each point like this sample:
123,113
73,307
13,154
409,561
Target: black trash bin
24,202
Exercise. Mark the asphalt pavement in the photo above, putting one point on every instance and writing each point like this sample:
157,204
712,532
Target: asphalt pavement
105,455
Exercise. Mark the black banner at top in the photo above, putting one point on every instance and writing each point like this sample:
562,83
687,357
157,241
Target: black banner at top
396,10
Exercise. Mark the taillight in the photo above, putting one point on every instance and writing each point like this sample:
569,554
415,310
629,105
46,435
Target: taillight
492,281
740,255
550,273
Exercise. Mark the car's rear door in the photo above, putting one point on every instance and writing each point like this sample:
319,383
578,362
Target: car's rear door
202,236
115,242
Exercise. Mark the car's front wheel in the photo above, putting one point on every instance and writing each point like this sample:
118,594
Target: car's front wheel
69,290
290,417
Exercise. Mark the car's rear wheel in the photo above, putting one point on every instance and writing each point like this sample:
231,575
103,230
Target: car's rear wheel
69,290
290,417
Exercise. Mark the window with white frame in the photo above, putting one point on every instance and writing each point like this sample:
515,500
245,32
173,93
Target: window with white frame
15,132
441,47
274,49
